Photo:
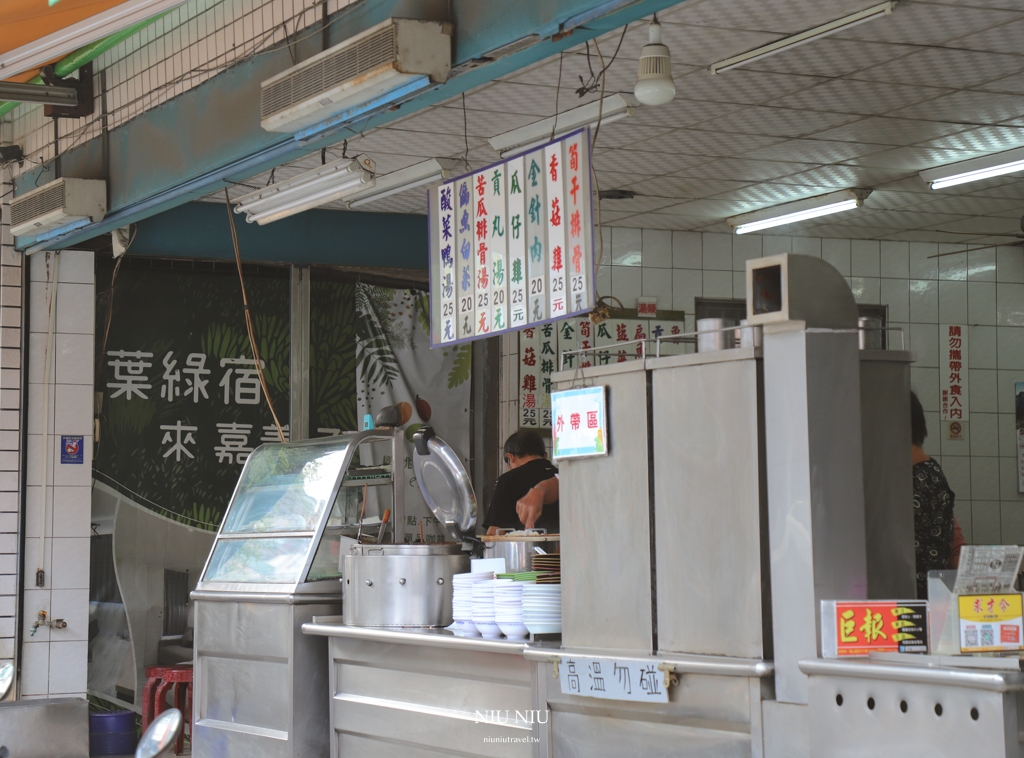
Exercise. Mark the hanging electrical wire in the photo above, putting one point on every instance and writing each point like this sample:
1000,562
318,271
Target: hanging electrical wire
597,80
248,318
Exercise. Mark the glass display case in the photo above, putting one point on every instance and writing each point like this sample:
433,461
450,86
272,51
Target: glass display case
293,505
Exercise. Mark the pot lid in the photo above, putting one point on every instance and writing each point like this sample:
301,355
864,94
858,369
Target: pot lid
444,483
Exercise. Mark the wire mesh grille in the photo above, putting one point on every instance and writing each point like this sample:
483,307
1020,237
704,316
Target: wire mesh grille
175,54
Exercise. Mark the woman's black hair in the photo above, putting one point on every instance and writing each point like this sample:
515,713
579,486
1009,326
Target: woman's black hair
918,426
525,443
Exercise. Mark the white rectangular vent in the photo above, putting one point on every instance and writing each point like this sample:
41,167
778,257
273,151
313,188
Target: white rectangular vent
56,204
355,72
338,67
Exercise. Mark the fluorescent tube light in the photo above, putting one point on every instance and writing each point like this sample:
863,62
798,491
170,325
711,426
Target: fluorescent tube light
975,169
411,177
801,210
322,185
818,32
538,133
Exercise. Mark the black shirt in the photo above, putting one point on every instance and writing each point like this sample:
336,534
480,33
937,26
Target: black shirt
511,486
933,522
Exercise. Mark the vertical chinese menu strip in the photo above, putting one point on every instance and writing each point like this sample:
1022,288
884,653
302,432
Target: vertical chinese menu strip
953,373
536,238
465,269
547,336
579,245
516,209
529,377
482,261
554,183
497,241
434,262
446,245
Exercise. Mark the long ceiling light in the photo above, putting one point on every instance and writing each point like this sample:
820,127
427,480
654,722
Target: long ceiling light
787,43
322,185
615,107
801,210
975,169
411,177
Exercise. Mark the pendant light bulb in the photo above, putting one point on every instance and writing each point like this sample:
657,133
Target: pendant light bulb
654,85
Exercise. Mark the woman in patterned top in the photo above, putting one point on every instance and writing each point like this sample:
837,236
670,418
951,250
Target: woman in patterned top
933,505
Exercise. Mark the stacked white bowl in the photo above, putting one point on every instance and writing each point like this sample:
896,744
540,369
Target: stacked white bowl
462,598
483,609
542,608
508,608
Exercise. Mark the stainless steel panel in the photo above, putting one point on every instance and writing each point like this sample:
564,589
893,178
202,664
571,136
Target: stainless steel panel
785,730
55,728
578,735
261,686
709,489
391,699
856,729
298,383
888,473
605,526
815,488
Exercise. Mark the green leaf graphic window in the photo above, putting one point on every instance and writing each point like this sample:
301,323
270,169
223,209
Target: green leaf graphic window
286,489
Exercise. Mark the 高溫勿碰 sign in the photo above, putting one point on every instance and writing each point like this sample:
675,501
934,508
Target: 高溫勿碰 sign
511,245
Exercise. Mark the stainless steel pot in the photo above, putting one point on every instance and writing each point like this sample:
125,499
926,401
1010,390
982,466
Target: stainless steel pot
400,585
518,548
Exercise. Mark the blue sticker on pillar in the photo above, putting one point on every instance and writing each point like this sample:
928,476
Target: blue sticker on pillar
72,448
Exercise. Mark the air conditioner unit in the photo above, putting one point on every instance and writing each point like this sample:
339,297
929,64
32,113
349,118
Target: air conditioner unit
56,204
364,68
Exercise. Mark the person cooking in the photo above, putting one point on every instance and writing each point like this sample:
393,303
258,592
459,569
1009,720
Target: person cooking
525,496
934,524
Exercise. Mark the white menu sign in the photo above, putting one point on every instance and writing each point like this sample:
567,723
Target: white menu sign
953,393
511,245
611,679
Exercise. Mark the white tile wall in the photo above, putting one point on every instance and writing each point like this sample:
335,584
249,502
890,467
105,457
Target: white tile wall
10,426
54,660
923,285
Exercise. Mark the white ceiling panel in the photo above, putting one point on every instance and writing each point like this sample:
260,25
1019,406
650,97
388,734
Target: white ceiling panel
626,133
944,67
716,144
985,139
837,176
759,195
683,187
1013,83
742,86
967,107
906,159
777,122
785,17
888,198
746,170
884,130
926,23
1004,38
982,225
637,162
683,111
815,151
967,205
868,98
693,45
831,57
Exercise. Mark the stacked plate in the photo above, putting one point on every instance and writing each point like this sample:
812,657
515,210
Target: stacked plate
542,608
549,568
483,609
508,608
462,598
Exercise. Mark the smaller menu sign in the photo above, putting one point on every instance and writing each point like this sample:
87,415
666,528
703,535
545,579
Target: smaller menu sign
579,422
991,623
858,627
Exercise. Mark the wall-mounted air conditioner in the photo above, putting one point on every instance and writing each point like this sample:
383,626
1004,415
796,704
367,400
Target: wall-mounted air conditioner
56,204
384,58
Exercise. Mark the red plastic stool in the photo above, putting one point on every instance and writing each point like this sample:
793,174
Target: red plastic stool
160,679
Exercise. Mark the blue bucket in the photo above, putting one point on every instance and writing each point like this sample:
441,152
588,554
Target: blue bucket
112,733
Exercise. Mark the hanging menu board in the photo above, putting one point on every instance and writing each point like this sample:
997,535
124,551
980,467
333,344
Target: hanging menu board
511,245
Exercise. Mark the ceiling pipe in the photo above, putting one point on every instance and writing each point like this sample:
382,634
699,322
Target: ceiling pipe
74,61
